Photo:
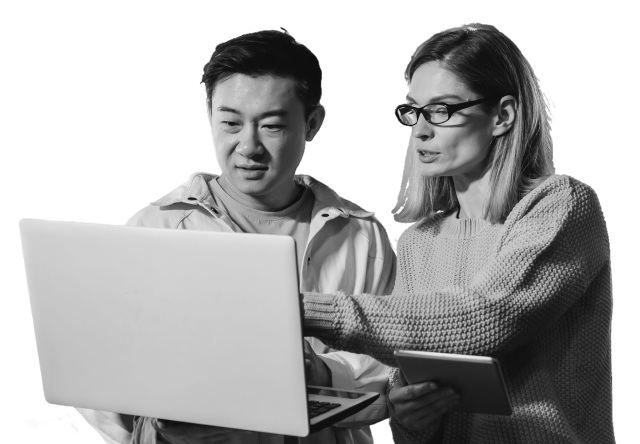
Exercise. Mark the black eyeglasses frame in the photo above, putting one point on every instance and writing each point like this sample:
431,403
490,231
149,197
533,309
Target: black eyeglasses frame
451,109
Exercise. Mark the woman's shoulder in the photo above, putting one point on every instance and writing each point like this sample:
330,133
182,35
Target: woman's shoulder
557,194
559,185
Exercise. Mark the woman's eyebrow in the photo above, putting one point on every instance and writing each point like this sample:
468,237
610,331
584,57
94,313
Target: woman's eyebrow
438,99
444,97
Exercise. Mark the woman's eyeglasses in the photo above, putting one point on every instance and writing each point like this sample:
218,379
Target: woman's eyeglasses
435,113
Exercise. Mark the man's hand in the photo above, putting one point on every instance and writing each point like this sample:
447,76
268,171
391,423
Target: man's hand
419,406
317,371
175,432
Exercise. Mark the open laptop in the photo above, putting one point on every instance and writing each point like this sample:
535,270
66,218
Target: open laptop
188,326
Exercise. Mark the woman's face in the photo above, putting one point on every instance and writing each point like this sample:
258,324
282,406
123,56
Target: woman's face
458,147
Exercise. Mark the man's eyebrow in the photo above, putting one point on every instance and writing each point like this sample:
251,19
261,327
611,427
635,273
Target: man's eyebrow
438,99
226,109
273,113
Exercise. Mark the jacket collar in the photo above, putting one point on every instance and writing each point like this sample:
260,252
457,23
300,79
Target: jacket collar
196,190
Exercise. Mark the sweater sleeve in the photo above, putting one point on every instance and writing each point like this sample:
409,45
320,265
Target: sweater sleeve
554,244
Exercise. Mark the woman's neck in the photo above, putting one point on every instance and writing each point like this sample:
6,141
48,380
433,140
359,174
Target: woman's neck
473,194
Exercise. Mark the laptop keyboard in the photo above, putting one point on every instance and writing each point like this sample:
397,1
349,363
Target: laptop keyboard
317,408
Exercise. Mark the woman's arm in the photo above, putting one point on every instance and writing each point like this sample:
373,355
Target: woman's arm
552,250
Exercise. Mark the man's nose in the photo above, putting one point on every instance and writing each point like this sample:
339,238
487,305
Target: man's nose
249,144
422,130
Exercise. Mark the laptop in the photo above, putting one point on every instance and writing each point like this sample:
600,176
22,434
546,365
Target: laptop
188,326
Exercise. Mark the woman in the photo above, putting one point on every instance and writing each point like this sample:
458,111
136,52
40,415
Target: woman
505,259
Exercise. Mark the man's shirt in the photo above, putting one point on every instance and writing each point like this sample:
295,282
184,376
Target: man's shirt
346,249
294,221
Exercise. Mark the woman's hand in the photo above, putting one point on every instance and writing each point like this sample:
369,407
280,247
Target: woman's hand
317,371
419,406
175,432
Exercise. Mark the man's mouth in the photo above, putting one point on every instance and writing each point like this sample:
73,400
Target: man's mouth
253,167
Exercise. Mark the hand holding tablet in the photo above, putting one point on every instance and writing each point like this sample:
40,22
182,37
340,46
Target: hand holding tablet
420,406
477,379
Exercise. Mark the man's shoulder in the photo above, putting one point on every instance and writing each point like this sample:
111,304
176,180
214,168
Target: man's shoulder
171,209
327,198
154,216
327,201
194,189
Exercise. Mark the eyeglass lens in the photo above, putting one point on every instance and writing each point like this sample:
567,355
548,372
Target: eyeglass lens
435,113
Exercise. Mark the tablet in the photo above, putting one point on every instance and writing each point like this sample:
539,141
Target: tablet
477,379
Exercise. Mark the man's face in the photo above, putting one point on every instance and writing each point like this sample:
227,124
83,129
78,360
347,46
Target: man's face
259,132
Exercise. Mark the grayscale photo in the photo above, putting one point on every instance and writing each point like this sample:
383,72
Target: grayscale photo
322,223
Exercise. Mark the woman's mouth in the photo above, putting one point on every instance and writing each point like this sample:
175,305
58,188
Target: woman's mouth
427,156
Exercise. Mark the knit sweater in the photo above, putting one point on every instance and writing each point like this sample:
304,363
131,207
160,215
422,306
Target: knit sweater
533,292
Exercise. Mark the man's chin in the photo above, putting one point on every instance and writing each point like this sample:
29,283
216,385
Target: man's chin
253,187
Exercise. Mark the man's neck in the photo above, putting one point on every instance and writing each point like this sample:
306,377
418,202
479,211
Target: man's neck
274,201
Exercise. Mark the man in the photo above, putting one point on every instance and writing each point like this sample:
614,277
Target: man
263,99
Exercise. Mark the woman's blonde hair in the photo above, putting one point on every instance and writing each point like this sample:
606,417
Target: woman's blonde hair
491,65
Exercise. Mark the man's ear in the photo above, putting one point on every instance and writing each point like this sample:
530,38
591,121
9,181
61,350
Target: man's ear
314,122
207,105
506,115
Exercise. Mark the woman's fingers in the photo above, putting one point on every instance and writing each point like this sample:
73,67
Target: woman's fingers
424,422
428,401
423,417
401,379
432,404
403,393
418,406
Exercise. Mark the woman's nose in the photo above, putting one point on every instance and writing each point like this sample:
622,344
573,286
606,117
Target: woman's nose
249,144
422,129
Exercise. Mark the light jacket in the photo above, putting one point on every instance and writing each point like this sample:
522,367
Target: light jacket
347,250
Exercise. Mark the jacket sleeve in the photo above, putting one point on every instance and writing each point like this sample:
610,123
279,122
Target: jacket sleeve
358,371
551,250
143,432
352,371
108,425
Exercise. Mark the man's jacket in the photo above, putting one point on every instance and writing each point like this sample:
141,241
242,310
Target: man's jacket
347,250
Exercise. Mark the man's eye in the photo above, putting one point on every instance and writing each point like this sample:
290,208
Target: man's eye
273,127
228,123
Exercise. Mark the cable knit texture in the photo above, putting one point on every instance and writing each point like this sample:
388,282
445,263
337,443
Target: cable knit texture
534,292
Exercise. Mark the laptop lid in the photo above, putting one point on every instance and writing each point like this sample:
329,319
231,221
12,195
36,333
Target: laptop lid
191,326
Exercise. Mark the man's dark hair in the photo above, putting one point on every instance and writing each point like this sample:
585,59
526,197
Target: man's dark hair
272,53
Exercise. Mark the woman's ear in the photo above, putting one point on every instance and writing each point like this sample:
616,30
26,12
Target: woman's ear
314,122
507,111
